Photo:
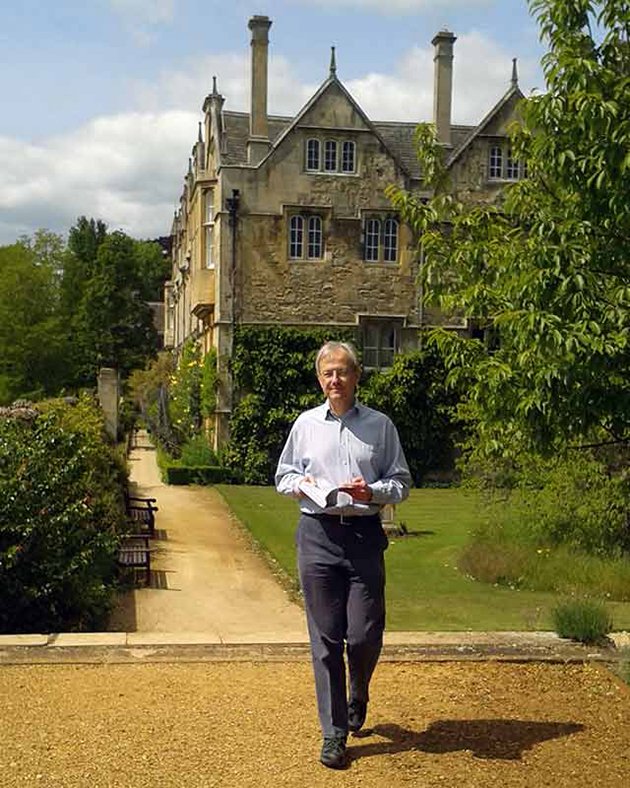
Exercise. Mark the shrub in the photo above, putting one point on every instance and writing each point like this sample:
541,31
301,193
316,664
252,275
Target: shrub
583,620
62,507
197,451
199,474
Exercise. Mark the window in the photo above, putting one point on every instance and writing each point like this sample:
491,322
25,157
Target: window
502,165
208,227
347,156
312,225
511,167
330,156
314,237
296,237
390,241
372,238
312,155
380,242
379,344
496,162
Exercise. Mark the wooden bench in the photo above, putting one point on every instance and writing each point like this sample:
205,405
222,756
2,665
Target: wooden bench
134,553
141,512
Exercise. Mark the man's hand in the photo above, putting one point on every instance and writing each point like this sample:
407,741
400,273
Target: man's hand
358,489
299,492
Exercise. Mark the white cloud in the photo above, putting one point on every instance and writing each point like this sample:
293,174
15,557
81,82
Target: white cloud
395,6
124,169
481,75
152,12
187,87
141,18
128,169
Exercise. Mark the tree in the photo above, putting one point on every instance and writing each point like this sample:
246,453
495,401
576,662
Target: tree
32,336
547,270
114,324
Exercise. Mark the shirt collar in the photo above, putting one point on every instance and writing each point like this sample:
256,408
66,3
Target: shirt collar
329,414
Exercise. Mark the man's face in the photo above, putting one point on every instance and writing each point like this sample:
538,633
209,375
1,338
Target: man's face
338,379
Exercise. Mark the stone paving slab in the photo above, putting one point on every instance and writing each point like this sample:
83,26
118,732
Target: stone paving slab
121,647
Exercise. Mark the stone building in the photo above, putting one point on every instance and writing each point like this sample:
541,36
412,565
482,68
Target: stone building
284,220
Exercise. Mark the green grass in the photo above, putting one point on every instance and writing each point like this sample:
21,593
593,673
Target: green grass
425,589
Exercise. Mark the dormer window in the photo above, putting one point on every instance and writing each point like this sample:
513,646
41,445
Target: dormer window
347,156
313,155
330,156
502,166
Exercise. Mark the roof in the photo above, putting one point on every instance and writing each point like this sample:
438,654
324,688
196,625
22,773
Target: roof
397,135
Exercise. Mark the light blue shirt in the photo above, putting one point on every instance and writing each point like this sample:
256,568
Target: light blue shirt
332,449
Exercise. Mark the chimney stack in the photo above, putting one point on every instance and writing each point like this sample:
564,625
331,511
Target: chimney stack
258,143
443,84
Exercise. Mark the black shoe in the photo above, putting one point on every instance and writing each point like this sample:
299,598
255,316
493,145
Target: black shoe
334,752
357,711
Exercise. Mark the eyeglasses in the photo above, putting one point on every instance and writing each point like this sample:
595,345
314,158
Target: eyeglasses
340,372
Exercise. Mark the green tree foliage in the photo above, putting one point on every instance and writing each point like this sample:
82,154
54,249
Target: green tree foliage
274,374
547,270
414,395
32,334
113,324
62,507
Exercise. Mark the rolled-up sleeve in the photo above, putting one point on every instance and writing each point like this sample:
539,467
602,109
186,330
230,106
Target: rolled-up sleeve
393,485
289,472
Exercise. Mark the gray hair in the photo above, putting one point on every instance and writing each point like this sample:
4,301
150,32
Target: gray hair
332,347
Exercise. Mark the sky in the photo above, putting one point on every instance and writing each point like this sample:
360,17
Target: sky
101,99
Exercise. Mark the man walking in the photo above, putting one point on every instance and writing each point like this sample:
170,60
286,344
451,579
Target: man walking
343,461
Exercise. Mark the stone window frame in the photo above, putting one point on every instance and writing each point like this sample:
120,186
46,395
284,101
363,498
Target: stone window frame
345,155
379,243
305,235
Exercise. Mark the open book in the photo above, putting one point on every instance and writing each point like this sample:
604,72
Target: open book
326,495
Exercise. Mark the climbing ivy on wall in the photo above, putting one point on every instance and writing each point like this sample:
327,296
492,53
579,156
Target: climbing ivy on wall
273,372
274,377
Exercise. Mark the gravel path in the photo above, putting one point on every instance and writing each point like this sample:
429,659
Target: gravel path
459,725
206,576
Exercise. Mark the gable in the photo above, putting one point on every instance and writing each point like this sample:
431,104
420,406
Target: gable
333,108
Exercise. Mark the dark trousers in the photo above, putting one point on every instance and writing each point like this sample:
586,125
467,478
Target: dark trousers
342,574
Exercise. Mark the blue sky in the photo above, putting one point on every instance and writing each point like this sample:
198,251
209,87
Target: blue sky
101,98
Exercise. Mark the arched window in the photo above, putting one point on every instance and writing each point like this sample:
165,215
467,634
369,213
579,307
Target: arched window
390,241
348,156
372,238
330,156
296,237
312,155
314,237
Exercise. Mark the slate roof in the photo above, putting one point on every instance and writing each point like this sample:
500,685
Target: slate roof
397,135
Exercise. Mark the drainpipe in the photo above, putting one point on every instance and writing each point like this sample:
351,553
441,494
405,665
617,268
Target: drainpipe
232,204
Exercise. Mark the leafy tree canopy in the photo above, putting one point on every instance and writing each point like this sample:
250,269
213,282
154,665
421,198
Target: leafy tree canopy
31,331
547,269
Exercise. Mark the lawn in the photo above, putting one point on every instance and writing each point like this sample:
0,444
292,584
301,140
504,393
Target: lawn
425,589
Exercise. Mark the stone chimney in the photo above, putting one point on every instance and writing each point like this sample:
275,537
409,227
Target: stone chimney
443,84
258,143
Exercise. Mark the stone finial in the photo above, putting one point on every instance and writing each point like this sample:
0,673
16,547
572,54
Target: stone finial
333,62
514,73
215,92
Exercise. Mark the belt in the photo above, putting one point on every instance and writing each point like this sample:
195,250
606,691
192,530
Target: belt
346,519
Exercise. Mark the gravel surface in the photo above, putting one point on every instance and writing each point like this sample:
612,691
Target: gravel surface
465,725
